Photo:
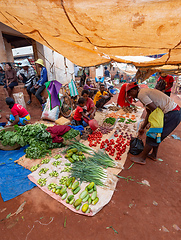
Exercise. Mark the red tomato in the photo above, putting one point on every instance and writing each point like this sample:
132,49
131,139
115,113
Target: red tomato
116,158
90,144
106,141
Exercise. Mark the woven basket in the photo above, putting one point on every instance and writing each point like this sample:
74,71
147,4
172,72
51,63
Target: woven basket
7,147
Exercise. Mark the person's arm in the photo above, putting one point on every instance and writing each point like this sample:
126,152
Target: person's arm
43,77
109,94
84,116
92,112
15,121
14,77
170,86
150,108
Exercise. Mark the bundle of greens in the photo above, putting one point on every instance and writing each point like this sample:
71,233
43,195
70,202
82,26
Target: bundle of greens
102,159
80,147
110,120
35,135
72,133
88,171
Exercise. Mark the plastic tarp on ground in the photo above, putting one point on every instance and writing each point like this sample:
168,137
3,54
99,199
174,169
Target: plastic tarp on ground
91,32
13,177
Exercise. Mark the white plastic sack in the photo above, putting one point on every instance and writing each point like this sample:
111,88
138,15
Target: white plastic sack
48,114
19,99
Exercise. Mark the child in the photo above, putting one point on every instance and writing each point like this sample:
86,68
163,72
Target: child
19,116
79,112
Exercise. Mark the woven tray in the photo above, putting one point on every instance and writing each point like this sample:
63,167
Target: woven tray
8,147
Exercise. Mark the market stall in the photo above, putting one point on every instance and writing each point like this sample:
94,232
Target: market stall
67,176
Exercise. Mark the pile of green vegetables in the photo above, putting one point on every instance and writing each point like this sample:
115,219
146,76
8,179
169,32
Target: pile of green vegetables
110,120
36,136
72,133
129,121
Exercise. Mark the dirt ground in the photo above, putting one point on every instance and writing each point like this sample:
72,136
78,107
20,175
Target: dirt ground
136,211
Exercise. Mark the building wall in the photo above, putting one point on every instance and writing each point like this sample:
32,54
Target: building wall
58,67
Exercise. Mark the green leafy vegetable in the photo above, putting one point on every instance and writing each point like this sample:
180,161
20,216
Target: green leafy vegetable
72,133
110,120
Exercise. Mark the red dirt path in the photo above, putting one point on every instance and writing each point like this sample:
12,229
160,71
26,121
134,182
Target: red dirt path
130,212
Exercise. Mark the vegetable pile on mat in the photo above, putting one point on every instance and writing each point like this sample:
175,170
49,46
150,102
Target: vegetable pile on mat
35,135
72,133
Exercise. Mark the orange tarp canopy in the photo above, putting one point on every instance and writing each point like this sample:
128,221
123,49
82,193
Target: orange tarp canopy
90,32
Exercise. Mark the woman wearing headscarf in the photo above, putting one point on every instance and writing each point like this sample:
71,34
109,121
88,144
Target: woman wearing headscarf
123,100
19,115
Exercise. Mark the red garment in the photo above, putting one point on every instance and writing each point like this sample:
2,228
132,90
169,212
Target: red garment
168,79
121,98
19,110
57,131
89,104
177,108
77,114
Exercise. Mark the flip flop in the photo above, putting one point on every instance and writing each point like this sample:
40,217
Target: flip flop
152,158
142,163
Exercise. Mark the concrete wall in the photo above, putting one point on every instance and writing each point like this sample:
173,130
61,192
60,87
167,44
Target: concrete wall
58,67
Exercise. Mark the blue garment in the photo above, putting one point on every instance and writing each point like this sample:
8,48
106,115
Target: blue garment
43,77
13,177
80,128
106,73
22,121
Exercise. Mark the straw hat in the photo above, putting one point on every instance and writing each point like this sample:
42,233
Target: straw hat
40,61
25,63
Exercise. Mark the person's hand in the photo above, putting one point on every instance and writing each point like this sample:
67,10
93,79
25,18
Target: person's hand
141,131
36,86
91,116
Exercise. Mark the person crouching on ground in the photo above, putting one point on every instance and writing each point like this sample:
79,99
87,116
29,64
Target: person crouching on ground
19,116
102,97
40,86
11,80
79,114
153,100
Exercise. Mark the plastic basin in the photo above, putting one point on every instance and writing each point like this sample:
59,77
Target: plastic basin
93,124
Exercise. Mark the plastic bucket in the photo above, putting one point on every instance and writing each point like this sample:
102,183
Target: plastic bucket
93,124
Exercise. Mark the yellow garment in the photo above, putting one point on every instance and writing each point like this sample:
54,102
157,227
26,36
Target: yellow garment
98,96
28,118
156,120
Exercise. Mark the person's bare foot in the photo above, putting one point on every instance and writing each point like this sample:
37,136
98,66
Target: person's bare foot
152,157
138,160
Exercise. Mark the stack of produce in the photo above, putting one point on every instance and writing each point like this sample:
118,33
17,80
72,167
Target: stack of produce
72,133
36,136
74,155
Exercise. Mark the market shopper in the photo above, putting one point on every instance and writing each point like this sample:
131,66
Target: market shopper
124,100
11,79
102,97
168,79
90,87
40,85
154,101
19,115
90,106
28,76
79,114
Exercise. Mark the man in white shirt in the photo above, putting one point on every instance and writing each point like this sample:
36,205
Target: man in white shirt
151,99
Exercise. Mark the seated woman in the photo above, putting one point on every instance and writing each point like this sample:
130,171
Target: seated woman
19,116
123,100
90,107
11,80
90,87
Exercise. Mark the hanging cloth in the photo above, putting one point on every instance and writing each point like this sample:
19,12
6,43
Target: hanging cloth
53,88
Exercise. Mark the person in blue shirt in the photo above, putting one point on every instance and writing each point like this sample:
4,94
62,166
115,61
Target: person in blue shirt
40,85
106,72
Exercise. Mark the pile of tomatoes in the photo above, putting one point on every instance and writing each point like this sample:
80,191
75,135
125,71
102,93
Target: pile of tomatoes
114,146
117,146
94,139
